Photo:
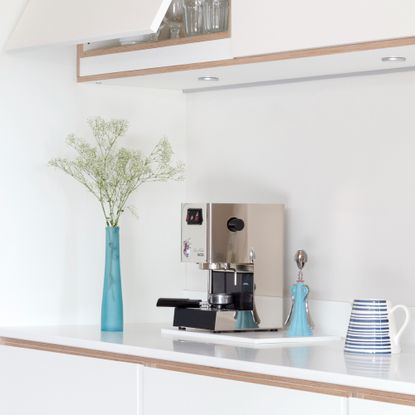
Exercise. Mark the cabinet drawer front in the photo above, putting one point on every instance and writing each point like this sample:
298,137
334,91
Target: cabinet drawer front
182,393
270,26
44,383
366,407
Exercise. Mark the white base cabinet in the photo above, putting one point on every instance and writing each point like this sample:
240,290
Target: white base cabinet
176,393
35,382
365,407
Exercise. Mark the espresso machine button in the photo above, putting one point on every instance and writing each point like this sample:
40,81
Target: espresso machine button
235,224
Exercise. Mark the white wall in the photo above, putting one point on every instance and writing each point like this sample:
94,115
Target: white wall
339,154
52,243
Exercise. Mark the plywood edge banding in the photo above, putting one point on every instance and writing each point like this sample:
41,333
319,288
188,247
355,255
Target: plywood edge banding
230,374
79,52
156,44
296,54
154,71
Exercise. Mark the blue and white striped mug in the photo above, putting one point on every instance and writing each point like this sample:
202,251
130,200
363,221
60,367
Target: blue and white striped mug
372,327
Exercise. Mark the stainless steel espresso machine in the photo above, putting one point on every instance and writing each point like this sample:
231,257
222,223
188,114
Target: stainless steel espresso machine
240,246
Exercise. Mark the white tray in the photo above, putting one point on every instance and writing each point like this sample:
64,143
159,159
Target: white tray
249,338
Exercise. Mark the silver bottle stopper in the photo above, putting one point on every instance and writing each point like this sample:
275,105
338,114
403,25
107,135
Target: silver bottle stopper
300,258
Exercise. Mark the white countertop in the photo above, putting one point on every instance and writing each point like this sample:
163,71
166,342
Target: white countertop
323,362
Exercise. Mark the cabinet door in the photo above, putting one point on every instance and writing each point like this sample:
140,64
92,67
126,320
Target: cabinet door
174,393
48,22
268,26
365,407
44,383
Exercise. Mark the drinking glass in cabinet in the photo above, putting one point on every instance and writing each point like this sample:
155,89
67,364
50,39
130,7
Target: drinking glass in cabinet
175,12
175,18
175,29
164,30
215,15
193,17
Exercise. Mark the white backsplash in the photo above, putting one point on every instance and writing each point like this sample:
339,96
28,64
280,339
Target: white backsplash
338,154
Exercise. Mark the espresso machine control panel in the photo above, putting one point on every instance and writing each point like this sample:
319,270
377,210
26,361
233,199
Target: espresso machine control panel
194,232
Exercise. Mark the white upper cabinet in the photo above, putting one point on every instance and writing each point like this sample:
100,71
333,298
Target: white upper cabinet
48,22
270,26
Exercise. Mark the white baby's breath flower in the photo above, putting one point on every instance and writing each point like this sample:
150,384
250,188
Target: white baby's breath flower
112,174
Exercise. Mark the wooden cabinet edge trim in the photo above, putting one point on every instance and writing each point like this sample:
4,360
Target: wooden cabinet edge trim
79,52
230,374
296,54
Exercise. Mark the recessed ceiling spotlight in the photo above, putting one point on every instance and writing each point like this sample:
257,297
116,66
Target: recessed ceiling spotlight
393,59
208,78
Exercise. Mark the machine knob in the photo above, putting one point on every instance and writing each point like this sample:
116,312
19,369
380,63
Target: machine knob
235,224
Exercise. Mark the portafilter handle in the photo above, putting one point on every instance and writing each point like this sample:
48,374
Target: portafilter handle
179,303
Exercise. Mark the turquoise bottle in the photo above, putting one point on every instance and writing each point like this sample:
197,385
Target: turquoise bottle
112,305
299,324
298,320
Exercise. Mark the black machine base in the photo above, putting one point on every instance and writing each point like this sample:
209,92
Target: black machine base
210,319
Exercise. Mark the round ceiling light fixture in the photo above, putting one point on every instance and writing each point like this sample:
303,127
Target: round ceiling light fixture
393,59
208,78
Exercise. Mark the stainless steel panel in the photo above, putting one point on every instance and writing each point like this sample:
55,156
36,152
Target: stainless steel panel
262,238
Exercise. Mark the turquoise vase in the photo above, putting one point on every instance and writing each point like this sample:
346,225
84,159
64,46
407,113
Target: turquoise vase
112,308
